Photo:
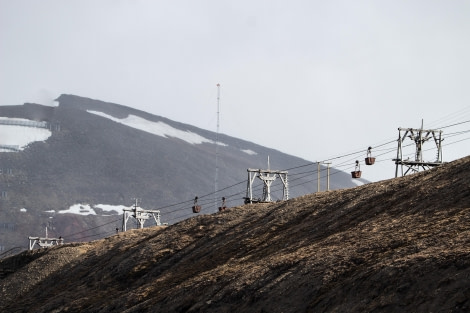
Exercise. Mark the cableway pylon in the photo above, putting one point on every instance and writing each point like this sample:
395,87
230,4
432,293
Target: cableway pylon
140,215
267,177
419,136
44,242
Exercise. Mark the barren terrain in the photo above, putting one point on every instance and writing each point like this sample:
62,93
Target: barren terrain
401,245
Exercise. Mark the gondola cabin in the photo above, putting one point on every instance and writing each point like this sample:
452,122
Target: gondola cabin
196,207
223,207
356,174
369,159
357,171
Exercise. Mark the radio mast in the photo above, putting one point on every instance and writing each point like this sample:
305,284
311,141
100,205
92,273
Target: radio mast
217,148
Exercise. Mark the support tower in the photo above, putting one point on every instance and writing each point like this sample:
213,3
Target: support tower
140,215
267,177
44,242
419,136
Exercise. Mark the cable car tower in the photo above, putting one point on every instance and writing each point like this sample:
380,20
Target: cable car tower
419,136
140,215
267,177
44,242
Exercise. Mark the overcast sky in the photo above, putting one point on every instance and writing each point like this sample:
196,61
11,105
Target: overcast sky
315,79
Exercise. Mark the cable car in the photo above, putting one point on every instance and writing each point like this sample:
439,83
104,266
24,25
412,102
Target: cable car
370,160
221,208
357,171
196,208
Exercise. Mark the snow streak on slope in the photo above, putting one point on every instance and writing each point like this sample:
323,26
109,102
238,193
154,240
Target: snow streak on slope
157,128
15,135
86,209
250,152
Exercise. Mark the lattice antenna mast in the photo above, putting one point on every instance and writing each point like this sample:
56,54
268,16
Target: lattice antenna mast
419,136
216,180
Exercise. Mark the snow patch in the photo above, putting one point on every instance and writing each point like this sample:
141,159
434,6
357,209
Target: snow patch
20,136
250,152
156,128
86,209
222,144
80,209
111,208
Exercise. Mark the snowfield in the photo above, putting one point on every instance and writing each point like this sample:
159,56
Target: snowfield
15,135
86,209
156,128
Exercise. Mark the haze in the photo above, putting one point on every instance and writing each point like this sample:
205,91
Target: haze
315,79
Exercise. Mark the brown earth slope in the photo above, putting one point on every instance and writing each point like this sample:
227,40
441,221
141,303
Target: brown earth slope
401,245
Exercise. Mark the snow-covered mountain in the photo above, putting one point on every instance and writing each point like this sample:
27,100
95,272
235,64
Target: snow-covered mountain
75,166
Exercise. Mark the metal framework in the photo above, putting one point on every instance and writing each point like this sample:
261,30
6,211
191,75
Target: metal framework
44,242
140,215
268,177
419,136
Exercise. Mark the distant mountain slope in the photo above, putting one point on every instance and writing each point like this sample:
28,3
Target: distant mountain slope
400,245
105,153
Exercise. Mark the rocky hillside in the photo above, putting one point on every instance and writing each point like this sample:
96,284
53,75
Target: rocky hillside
401,245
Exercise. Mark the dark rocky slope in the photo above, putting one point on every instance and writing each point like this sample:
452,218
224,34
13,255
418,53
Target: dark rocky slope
400,245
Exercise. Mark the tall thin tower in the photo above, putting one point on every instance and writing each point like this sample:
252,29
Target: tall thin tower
217,148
